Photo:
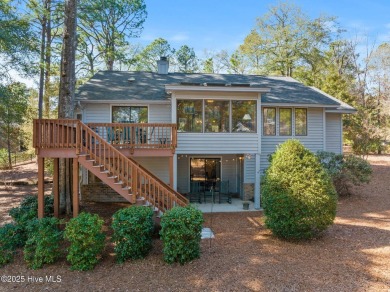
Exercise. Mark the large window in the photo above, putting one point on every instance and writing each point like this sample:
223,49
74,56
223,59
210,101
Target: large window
189,115
269,121
300,122
244,116
285,122
216,116
129,114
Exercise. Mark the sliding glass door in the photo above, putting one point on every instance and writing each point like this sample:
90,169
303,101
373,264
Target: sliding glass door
205,171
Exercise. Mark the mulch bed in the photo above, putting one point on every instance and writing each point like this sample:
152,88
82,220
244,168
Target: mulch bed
352,255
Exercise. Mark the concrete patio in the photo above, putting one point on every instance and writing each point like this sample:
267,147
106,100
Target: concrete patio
235,206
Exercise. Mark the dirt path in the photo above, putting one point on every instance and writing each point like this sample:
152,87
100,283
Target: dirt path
353,255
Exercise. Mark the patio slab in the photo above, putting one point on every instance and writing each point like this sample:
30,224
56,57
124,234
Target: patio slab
235,206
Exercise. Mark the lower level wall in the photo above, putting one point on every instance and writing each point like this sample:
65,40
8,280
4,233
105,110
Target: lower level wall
100,192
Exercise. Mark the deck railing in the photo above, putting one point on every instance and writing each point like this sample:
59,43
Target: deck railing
76,135
140,135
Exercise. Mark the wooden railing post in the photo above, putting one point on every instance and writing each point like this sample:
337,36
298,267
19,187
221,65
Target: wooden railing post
78,138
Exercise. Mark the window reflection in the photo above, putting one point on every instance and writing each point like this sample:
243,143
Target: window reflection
216,116
189,116
244,116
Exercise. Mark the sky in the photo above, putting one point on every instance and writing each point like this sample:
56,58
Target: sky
214,25
223,24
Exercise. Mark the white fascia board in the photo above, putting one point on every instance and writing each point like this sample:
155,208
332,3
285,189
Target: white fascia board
341,111
171,88
126,101
276,104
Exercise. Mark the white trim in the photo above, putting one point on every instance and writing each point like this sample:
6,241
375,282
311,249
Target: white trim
341,111
174,109
257,194
172,88
281,104
341,134
175,172
130,101
324,130
259,122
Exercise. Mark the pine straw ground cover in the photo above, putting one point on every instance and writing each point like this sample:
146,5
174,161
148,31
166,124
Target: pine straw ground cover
353,255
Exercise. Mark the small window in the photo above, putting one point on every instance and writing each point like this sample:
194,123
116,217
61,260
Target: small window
189,116
129,114
300,122
269,121
285,122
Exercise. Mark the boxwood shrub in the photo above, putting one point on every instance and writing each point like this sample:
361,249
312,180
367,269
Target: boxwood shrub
181,229
28,211
43,243
11,238
133,230
345,170
86,241
299,199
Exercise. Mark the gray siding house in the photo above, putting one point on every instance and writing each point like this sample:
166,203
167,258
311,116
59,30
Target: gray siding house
227,125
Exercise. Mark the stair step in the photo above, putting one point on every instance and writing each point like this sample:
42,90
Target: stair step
104,171
114,176
99,165
118,182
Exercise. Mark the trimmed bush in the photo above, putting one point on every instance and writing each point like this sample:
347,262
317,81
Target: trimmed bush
28,211
43,243
181,229
345,171
299,199
86,241
133,230
10,239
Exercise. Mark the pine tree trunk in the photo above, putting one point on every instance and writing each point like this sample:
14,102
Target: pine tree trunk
66,96
46,96
42,66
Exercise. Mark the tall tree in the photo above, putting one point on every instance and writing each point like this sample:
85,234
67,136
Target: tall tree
285,37
17,44
67,91
147,59
13,109
185,60
105,27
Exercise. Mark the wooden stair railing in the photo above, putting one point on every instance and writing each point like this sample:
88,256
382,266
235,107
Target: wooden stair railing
121,171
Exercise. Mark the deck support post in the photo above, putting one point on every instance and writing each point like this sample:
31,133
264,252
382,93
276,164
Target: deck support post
56,193
75,184
41,187
171,171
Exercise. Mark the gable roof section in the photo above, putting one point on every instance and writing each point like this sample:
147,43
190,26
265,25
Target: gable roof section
141,86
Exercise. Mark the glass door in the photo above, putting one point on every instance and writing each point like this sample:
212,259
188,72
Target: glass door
206,172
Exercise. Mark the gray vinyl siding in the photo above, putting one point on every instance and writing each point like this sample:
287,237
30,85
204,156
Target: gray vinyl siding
160,113
249,169
313,141
97,113
217,143
333,133
228,171
159,166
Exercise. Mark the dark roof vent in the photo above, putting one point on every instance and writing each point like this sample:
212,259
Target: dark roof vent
214,84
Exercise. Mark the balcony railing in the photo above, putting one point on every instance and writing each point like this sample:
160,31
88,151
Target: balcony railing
137,136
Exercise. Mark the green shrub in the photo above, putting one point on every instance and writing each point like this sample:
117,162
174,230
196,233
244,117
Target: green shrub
299,199
28,211
133,230
86,241
181,229
345,171
10,239
43,243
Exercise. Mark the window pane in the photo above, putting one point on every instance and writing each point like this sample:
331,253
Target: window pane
189,116
244,116
216,116
285,122
269,118
300,122
129,114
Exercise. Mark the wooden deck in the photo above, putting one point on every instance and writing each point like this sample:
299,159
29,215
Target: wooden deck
106,150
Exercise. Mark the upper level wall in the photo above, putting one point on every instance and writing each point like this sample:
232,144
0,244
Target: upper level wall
314,140
334,133
217,143
101,112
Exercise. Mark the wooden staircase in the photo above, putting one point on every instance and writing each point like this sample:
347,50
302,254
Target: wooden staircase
123,174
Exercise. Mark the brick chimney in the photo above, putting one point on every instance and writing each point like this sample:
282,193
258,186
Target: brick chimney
162,65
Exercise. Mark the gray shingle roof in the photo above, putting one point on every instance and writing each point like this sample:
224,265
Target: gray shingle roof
124,85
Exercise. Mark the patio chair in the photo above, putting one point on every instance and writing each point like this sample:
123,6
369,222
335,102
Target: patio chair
195,193
222,190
